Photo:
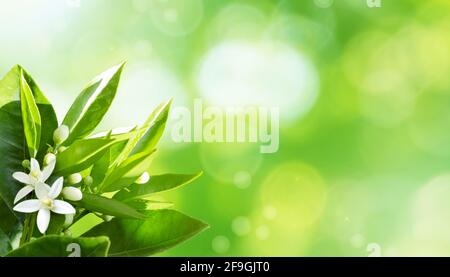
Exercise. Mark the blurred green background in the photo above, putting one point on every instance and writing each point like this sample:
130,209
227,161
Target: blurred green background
364,95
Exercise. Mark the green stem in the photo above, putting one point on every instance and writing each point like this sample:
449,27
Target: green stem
25,230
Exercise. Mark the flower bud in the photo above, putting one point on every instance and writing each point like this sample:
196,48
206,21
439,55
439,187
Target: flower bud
72,194
74,179
143,179
61,134
88,180
68,221
26,164
62,149
49,158
108,218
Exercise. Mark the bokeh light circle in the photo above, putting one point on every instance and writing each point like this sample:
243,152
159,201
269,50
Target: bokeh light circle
176,17
241,226
220,244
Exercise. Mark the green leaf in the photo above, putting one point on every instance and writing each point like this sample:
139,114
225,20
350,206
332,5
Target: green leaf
157,183
144,204
30,117
61,246
12,138
81,155
92,104
161,230
106,206
46,111
157,123
146,137
127,172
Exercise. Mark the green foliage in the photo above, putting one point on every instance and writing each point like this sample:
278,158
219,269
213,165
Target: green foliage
161,230
127,172
81,155
114,161
60,246
106,206
92,104
157,183
30,116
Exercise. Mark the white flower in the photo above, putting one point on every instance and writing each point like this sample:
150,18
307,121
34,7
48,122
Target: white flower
36,176
45,204
72,194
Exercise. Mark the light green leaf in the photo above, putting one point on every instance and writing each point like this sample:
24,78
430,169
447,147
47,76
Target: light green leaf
61,246
127,172
162,230
92,104
81,155
146,137
157,183
30,117
106,206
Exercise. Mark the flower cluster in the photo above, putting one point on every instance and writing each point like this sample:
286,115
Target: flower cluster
47,197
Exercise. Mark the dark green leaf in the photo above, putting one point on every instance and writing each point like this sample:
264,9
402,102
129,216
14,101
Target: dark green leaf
12,139
106,206
127,172
81,155
156,184
61,246
92,104
30,117
162,230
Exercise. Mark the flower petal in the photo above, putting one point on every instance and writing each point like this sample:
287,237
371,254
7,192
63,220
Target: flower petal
43,219
48,170
28,206
61,207
56,188
23,178
72,194
22,193
41,191
35,165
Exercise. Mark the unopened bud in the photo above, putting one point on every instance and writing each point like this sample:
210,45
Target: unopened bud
61,134
74,179
88,181
26,164
49,158
143,179
72,194
62,149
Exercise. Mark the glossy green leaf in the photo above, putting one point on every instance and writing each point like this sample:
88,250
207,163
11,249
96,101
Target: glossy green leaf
147,136
12,138
81,155
31,117
157,183
157,123
92,104
127,172
63,246
106,206
162,230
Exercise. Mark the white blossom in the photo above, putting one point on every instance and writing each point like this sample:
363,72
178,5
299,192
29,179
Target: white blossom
36,176
45,203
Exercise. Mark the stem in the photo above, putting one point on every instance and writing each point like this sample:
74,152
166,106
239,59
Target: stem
25,231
